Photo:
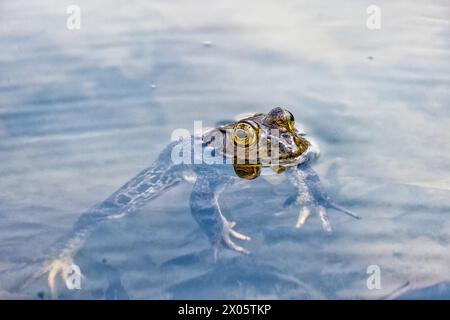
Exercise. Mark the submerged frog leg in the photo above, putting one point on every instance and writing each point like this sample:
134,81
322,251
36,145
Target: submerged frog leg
206,211
147,185
302,198
312,197
312,181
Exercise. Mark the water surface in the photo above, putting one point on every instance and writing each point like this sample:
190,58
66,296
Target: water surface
81,112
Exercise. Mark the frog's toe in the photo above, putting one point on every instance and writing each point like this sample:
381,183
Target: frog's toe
305,212
233,246
234,233
303,215
326,225
239,235
228,232
58,267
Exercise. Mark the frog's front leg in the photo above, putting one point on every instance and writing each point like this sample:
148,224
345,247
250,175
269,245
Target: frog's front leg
206,211
310,196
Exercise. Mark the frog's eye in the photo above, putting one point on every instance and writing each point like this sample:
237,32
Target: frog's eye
244,134
283,118
290,120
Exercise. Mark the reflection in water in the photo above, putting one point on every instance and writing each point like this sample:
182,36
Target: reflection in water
83,111
242,279
115,289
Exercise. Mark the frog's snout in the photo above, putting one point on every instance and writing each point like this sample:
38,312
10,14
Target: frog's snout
285,145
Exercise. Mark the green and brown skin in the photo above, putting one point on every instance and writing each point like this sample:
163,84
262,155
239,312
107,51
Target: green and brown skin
293,161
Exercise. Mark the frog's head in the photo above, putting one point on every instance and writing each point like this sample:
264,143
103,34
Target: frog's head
273,139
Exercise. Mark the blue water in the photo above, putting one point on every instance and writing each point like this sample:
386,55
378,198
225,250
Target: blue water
82,111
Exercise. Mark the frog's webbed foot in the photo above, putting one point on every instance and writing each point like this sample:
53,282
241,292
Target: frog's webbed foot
220,231
206,211
312,198
229,232
321,211
305,212
236,234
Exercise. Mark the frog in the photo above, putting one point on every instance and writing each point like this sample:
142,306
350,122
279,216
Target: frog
281,148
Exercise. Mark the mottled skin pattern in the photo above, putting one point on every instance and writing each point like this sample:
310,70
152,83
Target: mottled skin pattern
296,154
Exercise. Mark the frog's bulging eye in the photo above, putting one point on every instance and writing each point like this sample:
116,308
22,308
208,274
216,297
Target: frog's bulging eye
244,134
283,118
290,120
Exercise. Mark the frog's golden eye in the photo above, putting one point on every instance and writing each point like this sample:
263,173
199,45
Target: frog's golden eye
244,134
284,118
290,120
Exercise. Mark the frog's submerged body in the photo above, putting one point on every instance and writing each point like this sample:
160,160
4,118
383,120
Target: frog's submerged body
295,155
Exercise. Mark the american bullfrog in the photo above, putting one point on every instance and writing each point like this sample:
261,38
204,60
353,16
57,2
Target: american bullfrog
277,146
